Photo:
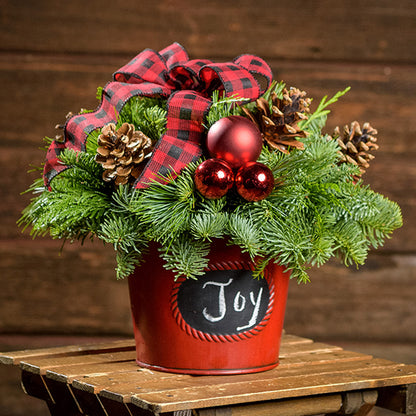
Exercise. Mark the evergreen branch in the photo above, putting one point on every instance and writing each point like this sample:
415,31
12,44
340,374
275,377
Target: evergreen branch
244,234
207,225
352,245
275,88
186,257
123,233
377,215
91,144
211,206
319,116
124,199
68,215
165,210
82,171
147,114
99,93
223,107
75,205
127,261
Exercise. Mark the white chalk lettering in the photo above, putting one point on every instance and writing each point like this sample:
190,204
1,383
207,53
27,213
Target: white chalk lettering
256,304
222,309
239,302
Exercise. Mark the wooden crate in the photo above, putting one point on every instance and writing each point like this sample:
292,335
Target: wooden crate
312,377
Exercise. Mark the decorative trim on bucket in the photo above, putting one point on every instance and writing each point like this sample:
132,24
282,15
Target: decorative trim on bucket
212,337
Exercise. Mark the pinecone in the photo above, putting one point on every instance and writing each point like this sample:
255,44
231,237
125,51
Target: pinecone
60,137
356,143
121,152
279,126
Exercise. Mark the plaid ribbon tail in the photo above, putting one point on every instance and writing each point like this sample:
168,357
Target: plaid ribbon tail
181,144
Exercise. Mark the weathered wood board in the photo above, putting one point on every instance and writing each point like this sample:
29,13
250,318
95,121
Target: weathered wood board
352,30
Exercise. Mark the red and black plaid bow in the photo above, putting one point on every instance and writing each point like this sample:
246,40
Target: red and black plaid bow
187,83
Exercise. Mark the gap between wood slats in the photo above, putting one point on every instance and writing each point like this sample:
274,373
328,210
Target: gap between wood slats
122,389
40,366
118,383
109,63
14,357
98,376
354,30
277,388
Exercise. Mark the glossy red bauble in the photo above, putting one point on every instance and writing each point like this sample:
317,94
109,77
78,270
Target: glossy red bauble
254,181
234,139
213,178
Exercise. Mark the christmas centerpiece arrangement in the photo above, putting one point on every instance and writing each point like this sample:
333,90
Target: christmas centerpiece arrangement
186,159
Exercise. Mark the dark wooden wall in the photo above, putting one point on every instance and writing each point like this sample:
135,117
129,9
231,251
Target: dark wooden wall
53,55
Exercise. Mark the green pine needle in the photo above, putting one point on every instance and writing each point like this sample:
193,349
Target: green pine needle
186,257
208,225
147,114
316,120
223,107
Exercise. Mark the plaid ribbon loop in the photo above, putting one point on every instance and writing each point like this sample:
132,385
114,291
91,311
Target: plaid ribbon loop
188,85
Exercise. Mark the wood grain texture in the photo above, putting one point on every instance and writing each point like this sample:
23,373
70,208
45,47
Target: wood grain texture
159,392
293,407
66,351
352,30
320,47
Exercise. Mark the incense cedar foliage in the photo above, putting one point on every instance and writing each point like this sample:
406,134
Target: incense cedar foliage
317,210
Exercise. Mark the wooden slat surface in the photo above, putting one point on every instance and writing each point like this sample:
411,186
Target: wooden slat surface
66,351
121,388
306,368
295,386
40,366
82,351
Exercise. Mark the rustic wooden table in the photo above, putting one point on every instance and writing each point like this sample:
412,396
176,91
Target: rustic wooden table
312,378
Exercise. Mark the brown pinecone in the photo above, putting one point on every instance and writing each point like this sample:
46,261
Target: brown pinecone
356,143
121,152
279,125
60,137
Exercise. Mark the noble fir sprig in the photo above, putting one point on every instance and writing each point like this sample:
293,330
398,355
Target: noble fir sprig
147,115
223,107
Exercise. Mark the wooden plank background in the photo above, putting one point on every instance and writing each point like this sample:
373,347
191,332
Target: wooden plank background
53,55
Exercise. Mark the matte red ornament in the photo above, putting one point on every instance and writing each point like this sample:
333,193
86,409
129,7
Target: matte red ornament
235,139
254,181
213,178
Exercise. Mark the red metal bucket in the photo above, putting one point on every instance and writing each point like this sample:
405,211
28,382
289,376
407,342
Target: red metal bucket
225,322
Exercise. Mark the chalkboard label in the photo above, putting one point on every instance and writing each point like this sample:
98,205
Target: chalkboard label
224,302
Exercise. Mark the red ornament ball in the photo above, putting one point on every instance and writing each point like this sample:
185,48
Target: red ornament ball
254,181
235,139
213,178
